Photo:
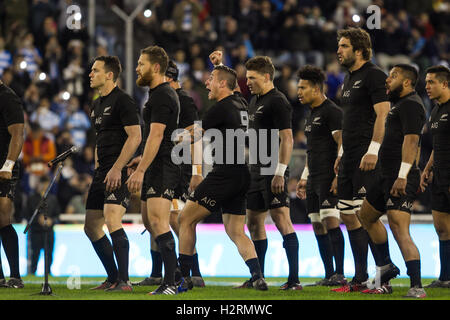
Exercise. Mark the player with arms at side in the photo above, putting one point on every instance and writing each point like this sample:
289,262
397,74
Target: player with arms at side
11,141
437,170
397,183
318,182
118,135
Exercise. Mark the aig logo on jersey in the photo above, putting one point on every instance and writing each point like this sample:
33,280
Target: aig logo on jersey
346,94
169,192
208,201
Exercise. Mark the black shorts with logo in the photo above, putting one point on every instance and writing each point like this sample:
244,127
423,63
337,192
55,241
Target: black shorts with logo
181,190
260,196
379,195
224,190
98,196
8,187
160,179
440,195
318,195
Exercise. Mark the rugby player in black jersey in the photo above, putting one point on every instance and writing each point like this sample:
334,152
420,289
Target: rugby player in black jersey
365,105
191,176
437,170
224,188
155,175
118,135
269,110
318,182
397,183
11,141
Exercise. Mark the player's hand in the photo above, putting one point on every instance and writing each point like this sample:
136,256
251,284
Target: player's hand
5,175
134,182
301,189
216,57
333,188
277,184
425,179
113,179
195,181
132,165
399,188
336,165
368,162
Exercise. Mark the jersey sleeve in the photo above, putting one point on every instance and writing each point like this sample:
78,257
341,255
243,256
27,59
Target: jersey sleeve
128,111
376,86
334,119
12,109
162,112
412,118
282,114
189,111
214,117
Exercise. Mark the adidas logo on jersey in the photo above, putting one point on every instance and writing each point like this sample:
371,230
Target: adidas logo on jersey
151,191
112,197
275,201
362,190
326,203
389,202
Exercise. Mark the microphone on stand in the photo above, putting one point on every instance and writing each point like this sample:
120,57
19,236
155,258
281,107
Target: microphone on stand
63,156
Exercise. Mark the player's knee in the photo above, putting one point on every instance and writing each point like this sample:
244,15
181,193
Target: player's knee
319,228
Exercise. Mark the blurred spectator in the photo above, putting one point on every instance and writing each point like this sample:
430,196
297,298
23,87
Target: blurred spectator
266,36
31,54
16,15
76,121
335,77
281,82
5,56
47,120
73,77
83,162
41,227
77,204
186,17
52,63
180,60
31,99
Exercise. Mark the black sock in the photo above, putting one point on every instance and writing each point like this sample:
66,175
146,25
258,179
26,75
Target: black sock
326,253
195,266
255,268
261,249
381,254
444,255
338,244
359,240
105,252
290,244
2,276
156,264
11,247
413,271
121,248
166,244
186,262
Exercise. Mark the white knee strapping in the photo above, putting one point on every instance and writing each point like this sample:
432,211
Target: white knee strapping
314,217
177,205
331,212
357,204
346,207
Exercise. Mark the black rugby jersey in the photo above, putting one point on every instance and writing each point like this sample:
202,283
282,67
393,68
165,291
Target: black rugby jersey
407,116
269,111
361,90
440,131
228,114
321,147
11,111
109,115
162,106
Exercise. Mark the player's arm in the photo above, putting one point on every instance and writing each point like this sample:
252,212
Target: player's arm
151,148
114,176
409,151
197,161
15,147
369,160
301,184
337,136
284,156
95,158
427,174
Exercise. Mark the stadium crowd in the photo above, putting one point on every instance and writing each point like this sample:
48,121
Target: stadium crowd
47,65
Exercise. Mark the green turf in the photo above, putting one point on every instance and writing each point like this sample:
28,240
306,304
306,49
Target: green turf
216,289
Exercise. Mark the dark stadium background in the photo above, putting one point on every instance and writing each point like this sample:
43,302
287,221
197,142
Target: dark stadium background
47,64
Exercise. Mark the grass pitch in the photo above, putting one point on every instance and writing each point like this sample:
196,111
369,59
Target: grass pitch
217,288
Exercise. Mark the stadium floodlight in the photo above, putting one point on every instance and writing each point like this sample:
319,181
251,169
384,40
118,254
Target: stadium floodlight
77,16
356,18
148,13
42,76
23,65
66,95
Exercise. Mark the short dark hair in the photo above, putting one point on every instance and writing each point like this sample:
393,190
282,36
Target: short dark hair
313,74
112,64
172,71
261,64
228,74
409,72
157,55
359,39
442,73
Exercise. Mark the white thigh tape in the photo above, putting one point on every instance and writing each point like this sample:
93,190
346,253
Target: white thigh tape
314,217
177,205
325,213
346,207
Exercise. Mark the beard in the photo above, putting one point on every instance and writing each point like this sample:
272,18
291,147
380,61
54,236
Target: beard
394,94
348,62
144,80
